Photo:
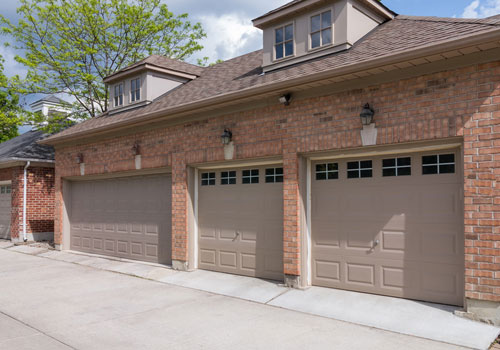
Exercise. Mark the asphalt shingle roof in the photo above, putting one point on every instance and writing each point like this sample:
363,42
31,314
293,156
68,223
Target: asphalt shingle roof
401,34
25,146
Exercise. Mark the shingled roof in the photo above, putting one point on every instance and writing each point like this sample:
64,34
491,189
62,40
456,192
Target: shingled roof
244,74
26,147
163,62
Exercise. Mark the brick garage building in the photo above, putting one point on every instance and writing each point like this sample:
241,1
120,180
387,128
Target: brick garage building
300,189
22,161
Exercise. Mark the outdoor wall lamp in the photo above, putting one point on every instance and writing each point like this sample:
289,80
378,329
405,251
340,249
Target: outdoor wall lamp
226,137
285,99
79,158
367,115
136,148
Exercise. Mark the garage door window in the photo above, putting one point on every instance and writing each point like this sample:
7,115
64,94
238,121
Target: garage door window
438,164
359,169
5,189
274,175
250,176
208,179
328,171
396,167
228,178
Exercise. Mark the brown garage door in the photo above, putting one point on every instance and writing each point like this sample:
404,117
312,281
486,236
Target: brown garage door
240,217
5,211
390,225
125,217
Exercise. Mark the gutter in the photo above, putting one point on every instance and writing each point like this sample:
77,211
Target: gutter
25,195
427,50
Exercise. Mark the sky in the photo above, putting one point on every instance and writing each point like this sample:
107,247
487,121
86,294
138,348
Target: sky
228,23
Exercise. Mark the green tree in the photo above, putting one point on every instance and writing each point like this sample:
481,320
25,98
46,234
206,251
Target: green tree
71,45
11,114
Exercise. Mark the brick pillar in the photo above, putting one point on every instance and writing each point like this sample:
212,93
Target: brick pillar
291,219
17,203
179,212
482,199
58,211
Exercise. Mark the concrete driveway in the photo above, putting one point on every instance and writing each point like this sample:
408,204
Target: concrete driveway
51,304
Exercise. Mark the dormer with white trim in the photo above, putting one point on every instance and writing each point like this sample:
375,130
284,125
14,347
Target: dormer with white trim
305,29
146,80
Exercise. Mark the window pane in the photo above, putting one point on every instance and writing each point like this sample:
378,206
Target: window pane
389,172
315,40
270,171
333,176
404,161
326,36
224,181
246,173
279,35
255,172
288,48
320,176
354,174
289,32
432,169
447,169
353,165
279,51
2,189
447,158
138,95
333,166
320,167
366,173
404,171
315,23
279,171
279,178
245,180
211,182
269,179
326,19
388,162
429,160
366,164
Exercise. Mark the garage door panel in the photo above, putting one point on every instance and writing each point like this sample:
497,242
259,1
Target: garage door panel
138,231
241,226
397,236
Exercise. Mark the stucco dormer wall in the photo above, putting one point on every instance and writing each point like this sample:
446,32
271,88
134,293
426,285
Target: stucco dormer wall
350,21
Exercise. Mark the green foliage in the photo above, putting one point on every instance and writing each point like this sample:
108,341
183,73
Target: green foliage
203,62
70,46
11,115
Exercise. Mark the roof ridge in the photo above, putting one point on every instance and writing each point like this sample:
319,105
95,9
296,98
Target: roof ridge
488,21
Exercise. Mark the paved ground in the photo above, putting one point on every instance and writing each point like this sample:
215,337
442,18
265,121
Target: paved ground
53,304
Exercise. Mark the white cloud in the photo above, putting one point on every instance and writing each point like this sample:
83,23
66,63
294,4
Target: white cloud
228,36
482,8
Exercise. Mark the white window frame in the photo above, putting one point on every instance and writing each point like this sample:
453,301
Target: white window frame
227,176
326,171
6,189
397,167
438,164
210,176
359,169
320,30
274,176
119,97
283,26
250,177
133,93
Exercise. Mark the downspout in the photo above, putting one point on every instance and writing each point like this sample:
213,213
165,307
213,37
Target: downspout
25,194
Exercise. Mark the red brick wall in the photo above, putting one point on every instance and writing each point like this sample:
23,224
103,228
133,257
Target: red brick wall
40,203
460,102
5,174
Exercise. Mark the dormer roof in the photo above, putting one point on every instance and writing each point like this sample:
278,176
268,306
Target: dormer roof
297,6
161,64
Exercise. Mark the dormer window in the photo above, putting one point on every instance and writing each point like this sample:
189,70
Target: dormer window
135,90
321,29
283,44
118,95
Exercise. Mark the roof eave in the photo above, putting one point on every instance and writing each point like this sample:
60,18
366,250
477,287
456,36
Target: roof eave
12,162
428,50
145,67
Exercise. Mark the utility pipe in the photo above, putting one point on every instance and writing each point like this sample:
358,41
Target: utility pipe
25,194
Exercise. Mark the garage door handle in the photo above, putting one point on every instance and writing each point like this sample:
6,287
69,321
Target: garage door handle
376,243
237,234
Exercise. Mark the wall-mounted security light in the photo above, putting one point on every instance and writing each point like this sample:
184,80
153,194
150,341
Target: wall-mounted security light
285,99
367,115
226,137
79,158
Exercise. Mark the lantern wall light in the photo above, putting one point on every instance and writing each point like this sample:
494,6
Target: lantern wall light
226,137
367,114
